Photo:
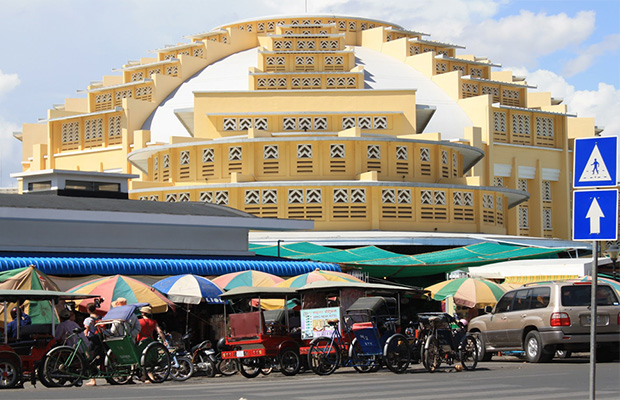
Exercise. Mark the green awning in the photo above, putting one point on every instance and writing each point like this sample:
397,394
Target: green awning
381,263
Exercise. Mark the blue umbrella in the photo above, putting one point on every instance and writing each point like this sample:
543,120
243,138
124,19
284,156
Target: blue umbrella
190,289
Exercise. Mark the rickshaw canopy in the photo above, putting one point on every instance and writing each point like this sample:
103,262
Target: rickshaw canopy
11,295
266,292
122,313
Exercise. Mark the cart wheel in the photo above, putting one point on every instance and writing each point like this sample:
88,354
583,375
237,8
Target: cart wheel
250,367
63,366
184,371
155,362
431,354
227,367
10,373
396,353
468,353
116,374
289,362
362,363
323,356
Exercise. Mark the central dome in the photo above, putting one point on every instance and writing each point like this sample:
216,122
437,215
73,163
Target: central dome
380,72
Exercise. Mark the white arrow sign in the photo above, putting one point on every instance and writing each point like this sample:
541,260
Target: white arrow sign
595,214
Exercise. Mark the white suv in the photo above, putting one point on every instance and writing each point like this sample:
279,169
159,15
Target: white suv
542,318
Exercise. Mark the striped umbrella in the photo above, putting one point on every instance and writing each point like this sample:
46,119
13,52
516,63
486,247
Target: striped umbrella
113,287
317,275
610,282
190,289
468,292
246,278
29,278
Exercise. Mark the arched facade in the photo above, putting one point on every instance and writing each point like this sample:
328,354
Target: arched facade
356,123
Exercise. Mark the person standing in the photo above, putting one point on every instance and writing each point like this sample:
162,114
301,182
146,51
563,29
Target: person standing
90,331
148,327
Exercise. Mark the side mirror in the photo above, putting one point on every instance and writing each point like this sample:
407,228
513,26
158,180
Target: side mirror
488,309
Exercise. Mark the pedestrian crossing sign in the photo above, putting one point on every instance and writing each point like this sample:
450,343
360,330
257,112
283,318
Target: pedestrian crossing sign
595,162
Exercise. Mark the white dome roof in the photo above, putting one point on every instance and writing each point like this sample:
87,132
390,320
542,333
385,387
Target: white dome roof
381,72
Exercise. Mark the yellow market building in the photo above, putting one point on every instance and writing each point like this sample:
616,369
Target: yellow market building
358,124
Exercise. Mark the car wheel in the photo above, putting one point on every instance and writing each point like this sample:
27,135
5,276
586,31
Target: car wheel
534,350
483,355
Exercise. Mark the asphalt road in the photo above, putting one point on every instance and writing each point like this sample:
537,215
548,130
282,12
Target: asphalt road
505,378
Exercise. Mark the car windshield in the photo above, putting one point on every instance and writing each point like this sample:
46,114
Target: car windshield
580,296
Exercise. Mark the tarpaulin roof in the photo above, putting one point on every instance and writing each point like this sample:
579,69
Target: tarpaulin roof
381,263
162,266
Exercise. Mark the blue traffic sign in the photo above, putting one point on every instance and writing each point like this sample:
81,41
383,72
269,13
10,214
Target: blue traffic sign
595,162
595,214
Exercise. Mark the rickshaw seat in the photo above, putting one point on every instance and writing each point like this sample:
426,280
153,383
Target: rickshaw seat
247,325
367,336
27,331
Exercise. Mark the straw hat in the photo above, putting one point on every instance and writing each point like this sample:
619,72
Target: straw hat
146,309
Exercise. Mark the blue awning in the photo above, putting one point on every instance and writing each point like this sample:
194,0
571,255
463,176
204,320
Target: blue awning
162,266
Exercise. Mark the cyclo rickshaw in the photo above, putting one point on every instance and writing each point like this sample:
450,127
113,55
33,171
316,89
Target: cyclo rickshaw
364,338
446,341
262,339
122,357
20,358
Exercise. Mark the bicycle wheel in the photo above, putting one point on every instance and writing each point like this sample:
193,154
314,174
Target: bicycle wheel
323,356
9,373
227,367
250,367
362,363
432,354
289,362
63,366
396,353
116,374
155,362
183,371
468,353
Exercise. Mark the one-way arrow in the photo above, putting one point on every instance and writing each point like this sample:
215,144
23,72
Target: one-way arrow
595,214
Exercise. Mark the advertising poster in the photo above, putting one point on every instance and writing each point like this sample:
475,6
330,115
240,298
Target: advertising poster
314,322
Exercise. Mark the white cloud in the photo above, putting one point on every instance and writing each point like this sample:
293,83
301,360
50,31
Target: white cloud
8,82
601,104
521,39
588,56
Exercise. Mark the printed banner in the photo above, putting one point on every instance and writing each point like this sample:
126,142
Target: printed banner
314,322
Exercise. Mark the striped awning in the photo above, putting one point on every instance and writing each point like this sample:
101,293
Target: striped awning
163,266
520,280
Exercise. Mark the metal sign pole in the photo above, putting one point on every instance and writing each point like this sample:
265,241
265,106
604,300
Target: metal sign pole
594,273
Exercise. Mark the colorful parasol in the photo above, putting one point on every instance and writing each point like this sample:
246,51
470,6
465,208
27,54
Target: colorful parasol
610,282
317,275
113,287
190,289
468,292
246,278
29,278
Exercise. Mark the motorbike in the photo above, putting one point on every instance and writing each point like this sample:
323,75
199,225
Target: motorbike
181,364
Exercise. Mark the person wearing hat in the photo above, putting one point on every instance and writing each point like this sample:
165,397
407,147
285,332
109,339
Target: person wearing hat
148,326
24,319
64,330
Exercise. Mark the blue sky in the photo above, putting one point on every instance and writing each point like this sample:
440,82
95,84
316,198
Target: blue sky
49,50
